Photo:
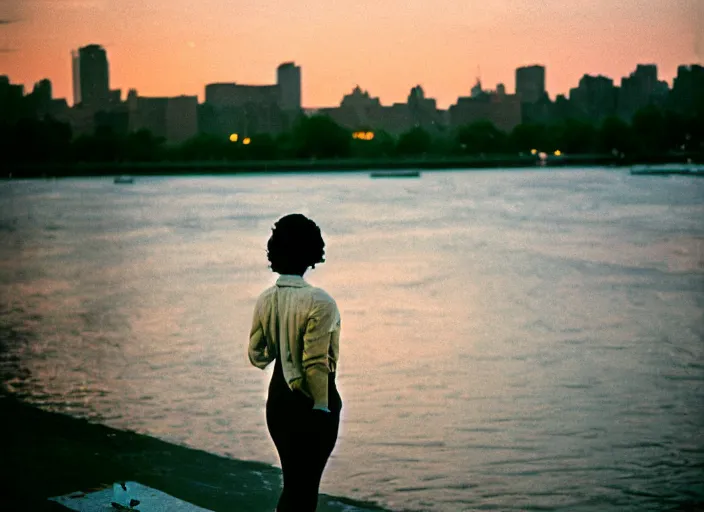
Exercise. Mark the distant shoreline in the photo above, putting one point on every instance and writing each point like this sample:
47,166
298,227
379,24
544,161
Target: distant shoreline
63,169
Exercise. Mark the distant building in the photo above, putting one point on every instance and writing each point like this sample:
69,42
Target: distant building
563,109
424,111
477,90
173,118
360,100
595,98
59,109
10,99
502,110
147,114
541,112
288,79
82,121
9,90
224,95
243,109
42,94
181,118
639,89
45,104
396,119
687,96
115,121
530,83
251,109
357,110
76,76
115,97
91,76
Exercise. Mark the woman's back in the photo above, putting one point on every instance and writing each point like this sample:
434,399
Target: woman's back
298,325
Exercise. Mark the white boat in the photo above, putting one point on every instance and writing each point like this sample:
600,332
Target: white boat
123,179
668,169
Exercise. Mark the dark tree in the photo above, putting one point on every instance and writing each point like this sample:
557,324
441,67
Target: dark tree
204,147
34,140
142,146
382,144
415,141
262,147
650,130
615,136
481,137
320,137
575,137
103,146
526,137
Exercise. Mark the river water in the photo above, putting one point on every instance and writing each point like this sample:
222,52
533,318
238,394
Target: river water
511,340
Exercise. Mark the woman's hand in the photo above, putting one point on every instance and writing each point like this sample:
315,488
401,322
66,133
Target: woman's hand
299,385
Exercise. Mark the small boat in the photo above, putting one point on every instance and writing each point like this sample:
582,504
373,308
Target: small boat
395,174
668,169
123,180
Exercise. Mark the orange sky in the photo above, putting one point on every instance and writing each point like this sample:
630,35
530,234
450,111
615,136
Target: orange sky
175,47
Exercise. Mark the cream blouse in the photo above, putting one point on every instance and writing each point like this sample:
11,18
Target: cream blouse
306,330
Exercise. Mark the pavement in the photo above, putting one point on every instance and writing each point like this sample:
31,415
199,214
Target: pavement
47,455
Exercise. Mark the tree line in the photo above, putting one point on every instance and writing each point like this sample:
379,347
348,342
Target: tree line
651,131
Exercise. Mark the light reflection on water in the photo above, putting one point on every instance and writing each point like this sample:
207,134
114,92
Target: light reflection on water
511,340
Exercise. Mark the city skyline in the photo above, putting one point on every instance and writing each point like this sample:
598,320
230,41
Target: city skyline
524,73
384,49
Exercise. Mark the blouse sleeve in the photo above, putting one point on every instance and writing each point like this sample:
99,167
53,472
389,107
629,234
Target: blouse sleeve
259,353
324,319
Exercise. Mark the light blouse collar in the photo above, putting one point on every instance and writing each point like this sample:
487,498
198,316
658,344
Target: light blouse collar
291,280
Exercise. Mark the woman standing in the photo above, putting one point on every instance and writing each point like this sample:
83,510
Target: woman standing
298,325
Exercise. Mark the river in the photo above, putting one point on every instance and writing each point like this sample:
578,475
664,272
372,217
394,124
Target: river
511,339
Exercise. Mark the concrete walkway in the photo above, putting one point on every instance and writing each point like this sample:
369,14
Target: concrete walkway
45,455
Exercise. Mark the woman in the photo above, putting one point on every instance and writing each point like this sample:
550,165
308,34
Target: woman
298,325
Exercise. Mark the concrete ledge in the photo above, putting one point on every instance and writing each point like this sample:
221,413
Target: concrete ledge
45,455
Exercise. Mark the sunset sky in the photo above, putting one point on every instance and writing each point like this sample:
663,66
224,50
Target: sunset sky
175,47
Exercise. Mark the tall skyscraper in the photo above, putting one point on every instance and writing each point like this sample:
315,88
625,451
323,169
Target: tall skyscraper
288,78
530,83
91,83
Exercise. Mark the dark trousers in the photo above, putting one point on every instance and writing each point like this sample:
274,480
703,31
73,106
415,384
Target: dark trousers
304,439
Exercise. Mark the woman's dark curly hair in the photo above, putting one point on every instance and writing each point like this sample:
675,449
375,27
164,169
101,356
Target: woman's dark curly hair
295,244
